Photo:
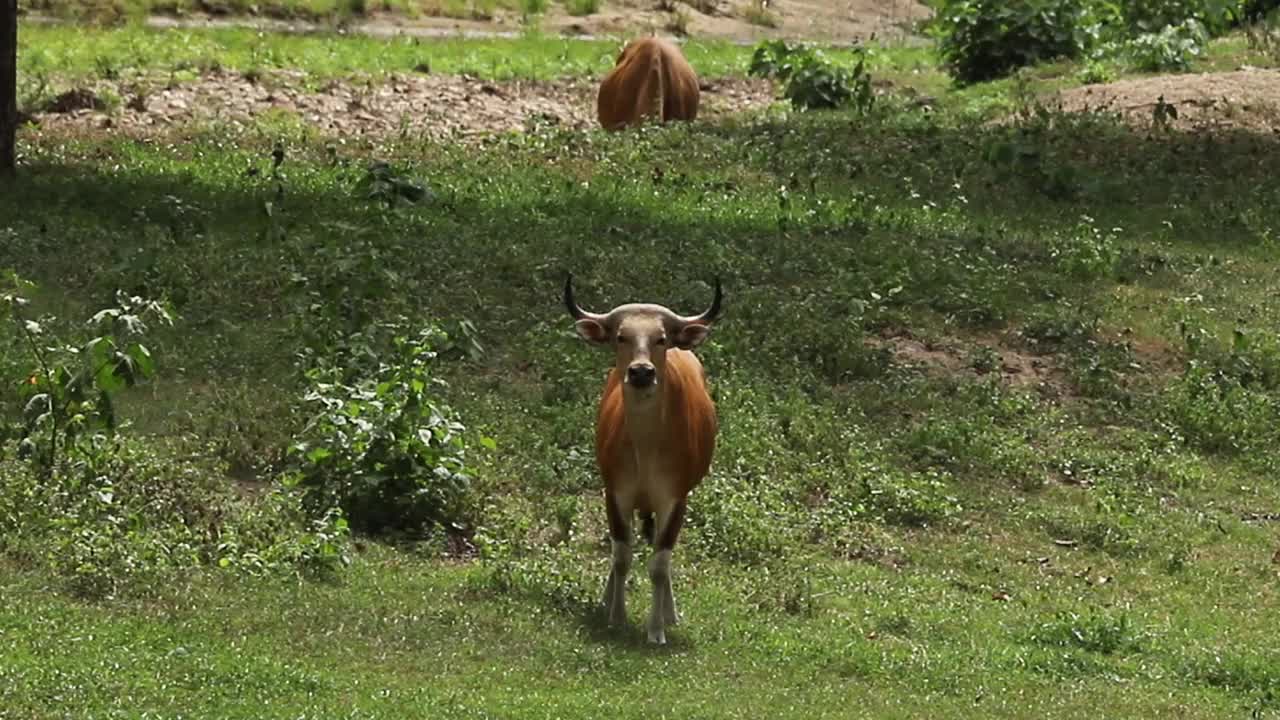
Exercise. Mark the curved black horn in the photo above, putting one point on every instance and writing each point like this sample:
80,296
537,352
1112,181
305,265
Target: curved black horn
572,306
712,312
569,302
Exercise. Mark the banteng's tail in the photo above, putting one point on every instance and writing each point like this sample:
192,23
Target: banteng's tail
658,86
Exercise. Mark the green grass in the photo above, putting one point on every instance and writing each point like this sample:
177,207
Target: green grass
70,52
877,539
407,639
320,10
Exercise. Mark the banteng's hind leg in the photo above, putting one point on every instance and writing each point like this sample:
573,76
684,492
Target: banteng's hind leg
663,612
615,589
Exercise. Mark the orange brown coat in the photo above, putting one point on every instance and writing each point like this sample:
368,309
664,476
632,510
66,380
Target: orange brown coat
651,79
688,424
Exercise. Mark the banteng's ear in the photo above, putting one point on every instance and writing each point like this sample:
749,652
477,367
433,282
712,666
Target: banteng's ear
691,335
592,331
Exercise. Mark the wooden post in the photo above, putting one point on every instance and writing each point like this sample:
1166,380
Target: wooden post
8,84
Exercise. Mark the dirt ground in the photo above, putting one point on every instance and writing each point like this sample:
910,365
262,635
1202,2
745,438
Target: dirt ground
827,20
745,21
1014,368
420,106
461,107
1245,99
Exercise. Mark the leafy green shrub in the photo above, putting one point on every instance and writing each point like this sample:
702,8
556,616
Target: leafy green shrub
102,510
1254,359
1155,16
381,446
1171,49
774,58
810,79
986,39
68,389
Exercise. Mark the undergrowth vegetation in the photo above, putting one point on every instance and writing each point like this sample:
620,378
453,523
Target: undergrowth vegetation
980,40
998,403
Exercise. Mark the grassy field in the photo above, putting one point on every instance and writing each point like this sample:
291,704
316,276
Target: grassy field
52,52
919,532
112,10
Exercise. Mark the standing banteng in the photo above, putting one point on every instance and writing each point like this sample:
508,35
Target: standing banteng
655,434
651,79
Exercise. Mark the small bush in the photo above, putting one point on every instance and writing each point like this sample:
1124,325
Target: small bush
811,80
68,389
104,511
986,39
1171,49
1155,16
381,446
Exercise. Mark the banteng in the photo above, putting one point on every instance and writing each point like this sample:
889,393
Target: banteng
651,79
655,434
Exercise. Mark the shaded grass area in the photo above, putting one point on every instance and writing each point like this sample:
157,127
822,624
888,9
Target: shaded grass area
881,536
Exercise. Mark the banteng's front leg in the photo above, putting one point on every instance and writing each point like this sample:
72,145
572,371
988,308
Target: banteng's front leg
663,612
615,590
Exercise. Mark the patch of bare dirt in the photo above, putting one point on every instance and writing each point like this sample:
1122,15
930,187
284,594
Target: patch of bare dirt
1013,367
1243,99
734,20
418,106
752,20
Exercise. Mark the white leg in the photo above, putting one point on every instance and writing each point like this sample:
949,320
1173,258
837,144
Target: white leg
670,614
615,590
664,607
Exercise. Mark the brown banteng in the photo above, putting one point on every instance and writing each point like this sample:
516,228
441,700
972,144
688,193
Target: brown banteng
651,78
655,434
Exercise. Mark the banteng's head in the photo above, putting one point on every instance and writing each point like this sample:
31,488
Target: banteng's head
641,334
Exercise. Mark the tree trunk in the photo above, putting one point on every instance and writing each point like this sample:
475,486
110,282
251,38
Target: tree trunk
8,84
